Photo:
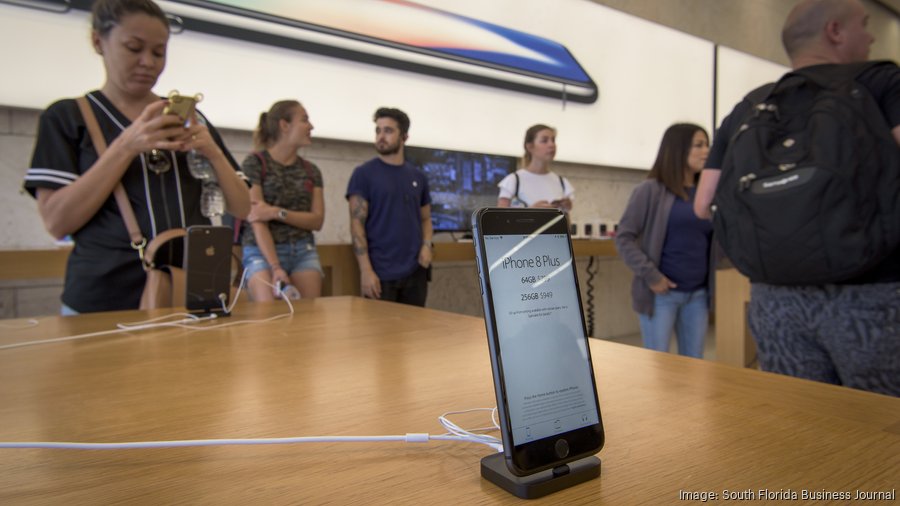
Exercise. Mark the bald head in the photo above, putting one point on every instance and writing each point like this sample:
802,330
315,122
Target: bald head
832,30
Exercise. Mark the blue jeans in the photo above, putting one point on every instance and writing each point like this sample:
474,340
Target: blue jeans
300,255
687,313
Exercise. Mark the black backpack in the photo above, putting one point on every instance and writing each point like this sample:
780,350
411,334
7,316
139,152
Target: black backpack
810,185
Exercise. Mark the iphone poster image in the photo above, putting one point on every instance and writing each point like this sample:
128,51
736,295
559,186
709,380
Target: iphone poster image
418,38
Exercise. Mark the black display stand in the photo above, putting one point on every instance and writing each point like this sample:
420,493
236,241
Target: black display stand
494,470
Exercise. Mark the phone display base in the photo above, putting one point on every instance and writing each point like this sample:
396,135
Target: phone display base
205,313
494,470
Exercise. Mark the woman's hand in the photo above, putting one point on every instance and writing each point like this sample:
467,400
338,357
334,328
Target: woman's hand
262,212
542,203
153,130
564,204
196,136
279,274
663,286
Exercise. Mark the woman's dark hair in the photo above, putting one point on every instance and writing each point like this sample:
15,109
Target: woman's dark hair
530,134
397,115
671,161
105,14
268,131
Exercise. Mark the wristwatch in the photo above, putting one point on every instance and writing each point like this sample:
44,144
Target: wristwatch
282,214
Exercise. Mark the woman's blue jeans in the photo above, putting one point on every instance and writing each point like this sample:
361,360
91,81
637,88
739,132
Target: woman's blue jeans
687,313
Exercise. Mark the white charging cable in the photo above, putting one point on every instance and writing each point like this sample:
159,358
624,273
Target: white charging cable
187,321
456,434
31,322
473,434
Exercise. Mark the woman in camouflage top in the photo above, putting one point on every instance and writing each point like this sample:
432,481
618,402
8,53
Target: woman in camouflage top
287,205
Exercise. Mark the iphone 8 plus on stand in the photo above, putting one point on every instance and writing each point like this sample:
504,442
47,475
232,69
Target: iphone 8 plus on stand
543,376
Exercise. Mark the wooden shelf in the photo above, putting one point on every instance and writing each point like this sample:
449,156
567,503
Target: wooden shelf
338,262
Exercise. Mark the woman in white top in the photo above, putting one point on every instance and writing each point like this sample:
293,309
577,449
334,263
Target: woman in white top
536,185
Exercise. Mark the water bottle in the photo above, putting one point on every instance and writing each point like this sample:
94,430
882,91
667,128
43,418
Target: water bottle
212,200
288,290
198,165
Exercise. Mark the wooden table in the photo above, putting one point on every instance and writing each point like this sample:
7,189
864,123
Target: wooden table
349,366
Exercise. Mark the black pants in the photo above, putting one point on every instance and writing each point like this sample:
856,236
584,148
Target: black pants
411,290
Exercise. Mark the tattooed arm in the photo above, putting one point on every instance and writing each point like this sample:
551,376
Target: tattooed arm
369,284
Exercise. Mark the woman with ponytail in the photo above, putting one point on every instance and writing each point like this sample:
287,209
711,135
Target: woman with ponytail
287,206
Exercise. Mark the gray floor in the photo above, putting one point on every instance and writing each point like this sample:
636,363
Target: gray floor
709,349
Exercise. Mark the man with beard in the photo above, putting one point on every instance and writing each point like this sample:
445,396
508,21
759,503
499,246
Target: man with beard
390,217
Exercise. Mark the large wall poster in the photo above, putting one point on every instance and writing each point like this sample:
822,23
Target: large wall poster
648,77
414,38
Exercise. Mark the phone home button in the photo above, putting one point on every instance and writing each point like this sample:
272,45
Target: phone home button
562,448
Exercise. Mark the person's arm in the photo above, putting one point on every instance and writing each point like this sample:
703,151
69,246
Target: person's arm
263,237
369,284
307,220
65,210
237,198
706,190
896,132
504,202
425,252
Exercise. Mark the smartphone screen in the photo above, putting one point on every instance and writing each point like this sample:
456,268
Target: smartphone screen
543,373
398,34
207,267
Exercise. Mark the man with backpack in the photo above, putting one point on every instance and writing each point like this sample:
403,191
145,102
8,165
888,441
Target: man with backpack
803,184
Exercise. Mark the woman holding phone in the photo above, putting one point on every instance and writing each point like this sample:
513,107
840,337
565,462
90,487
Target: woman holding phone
287,205
146,152
535,185
667,247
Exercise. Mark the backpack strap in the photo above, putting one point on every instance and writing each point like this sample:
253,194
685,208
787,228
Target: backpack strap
310,175
262,161
829,76
516,192
515,196
759,95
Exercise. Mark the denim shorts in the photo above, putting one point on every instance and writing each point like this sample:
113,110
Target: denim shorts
294,257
